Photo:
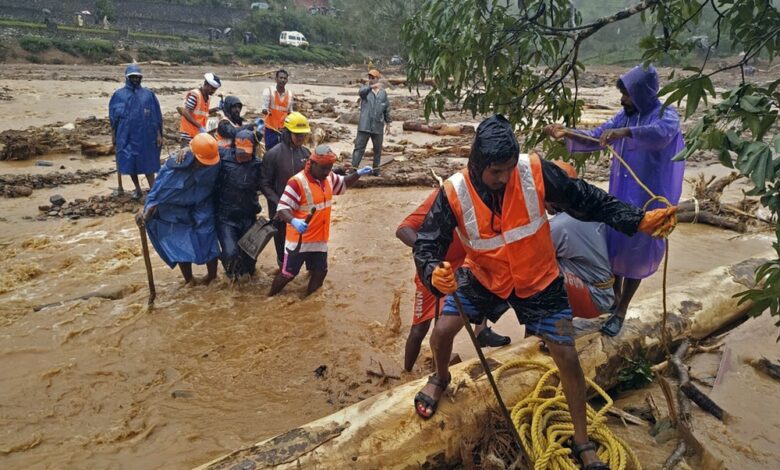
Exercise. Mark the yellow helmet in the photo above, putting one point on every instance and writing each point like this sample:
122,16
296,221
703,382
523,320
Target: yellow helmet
297,123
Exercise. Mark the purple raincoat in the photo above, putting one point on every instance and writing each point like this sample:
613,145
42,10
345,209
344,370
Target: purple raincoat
655,140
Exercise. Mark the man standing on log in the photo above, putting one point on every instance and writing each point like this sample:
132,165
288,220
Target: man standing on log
374,120
648,137
496,207
136,130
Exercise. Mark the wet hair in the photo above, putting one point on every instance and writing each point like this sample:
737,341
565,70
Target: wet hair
494,143
621,86
281,71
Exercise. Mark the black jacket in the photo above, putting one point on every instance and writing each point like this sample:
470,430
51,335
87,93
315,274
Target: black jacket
578,198
237,187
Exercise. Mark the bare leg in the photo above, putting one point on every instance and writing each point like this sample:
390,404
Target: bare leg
211,271
137,184
278,284
441,344
186,271
150,179
120,189
618,287
573,382
315,281
413,341
627,293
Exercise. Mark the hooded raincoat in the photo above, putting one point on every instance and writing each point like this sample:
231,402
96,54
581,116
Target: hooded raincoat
182,228
655,140
237,208
136,121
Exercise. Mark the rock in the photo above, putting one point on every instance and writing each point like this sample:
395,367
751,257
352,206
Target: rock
68,127
20,191
62,167
43,163
57,200
329,100
75,217
44,208
351,117
54,213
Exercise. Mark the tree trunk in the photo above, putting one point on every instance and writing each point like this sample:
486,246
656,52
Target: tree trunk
384,431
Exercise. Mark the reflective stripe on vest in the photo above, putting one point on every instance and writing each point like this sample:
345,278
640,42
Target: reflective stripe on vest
303,182
277,110
472,238
200,114
316,237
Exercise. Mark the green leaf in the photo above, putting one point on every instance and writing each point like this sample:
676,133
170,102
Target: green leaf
725,158
777,143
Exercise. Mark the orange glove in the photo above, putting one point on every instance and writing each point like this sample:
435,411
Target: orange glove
659,223
443,279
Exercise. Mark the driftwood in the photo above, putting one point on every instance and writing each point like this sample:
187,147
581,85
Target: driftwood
676,457
767,367
689,389
707,208
439,129
108,292
384,432
93,149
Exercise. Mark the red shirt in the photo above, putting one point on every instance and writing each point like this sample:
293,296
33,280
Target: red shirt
455,254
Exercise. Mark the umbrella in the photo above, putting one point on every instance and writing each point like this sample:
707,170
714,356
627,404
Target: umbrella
85,12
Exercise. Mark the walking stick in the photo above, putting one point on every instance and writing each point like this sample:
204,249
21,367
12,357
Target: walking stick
147,262
489,374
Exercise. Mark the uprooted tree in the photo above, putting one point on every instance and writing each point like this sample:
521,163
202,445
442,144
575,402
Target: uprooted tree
522,59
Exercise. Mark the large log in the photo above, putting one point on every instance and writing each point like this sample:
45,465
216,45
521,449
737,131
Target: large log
384,431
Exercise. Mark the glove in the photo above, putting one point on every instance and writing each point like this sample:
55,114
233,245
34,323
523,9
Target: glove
203,130
659,223
443,279
300,225
365,171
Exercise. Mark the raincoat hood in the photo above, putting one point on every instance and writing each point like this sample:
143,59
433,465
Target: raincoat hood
642,87
227,107
132,69
495,142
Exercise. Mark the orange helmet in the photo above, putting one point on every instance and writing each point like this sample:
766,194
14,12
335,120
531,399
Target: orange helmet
204,147
566,167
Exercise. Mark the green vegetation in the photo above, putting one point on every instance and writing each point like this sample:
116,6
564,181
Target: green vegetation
34,44
636,374
525,63
92,49
259,54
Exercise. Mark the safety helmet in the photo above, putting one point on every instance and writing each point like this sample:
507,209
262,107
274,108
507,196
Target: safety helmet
566,167
297,123
204,147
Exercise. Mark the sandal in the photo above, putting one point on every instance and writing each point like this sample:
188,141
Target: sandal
422,401
489,338
612,326
579,449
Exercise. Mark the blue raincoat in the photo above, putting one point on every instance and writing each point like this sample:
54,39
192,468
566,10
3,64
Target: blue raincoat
136,120
182,229
655,140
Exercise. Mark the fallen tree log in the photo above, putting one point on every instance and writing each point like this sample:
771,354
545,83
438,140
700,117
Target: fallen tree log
439,129
384,432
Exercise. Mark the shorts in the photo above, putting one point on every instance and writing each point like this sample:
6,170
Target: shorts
546,314
424,303
315,261
581,302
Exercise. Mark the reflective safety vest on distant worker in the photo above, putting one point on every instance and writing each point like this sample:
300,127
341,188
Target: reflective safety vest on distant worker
222,141
278,109
200,113
321,197
512,250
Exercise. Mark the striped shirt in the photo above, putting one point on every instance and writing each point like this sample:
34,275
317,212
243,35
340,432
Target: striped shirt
189,104
291,198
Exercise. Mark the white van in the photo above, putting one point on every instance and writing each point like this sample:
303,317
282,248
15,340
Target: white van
293,38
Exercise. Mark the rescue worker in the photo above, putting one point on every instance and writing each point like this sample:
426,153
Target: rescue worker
581,251
496,207
195,112
232,122
277,103
136,130
179,210
647,135
425,308
279,165
374,120
307,242
236,201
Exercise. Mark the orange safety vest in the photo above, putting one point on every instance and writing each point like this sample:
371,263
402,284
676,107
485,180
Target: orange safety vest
278,109
222,141
316,236
520,257
200,113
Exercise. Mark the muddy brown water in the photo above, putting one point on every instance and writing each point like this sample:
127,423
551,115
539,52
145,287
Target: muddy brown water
102,383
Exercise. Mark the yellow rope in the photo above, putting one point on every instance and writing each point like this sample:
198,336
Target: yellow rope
543,422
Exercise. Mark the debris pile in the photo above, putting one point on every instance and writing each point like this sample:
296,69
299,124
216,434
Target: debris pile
52,138
23,185
95,206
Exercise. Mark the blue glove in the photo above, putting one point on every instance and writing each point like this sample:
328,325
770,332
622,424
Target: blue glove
365,171
300,225
203,130
260,124
221,104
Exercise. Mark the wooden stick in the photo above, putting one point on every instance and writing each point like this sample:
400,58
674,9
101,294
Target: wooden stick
626,416
148,263
676,456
